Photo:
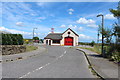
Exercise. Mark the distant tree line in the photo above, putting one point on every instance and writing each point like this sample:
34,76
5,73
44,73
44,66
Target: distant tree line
12,39
86,43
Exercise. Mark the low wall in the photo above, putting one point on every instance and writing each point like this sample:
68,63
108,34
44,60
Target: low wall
12,49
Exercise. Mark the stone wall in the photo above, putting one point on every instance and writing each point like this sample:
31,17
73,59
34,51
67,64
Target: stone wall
12,49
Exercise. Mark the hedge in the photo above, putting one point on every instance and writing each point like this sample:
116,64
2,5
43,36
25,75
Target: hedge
12,39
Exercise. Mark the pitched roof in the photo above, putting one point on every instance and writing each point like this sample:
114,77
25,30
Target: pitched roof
54,36
72,31
57,36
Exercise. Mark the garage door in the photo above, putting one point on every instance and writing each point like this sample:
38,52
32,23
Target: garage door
68,41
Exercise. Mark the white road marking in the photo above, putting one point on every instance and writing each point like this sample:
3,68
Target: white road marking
65,52
42,66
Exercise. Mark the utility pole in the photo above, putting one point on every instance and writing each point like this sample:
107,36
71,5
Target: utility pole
102,48
33,31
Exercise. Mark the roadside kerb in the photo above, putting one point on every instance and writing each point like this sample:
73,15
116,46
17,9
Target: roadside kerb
91,67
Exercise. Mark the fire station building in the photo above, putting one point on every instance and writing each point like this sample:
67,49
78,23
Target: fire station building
67,38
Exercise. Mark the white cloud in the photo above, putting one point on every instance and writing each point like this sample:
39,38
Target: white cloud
40,3
109,16
33,14
85,21
69,26
71,10
92,25
85,37
63,26
70,13
14,31
72,27
80,28
41,18
60,0
19,24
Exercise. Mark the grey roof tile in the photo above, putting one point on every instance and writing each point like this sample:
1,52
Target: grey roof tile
54,36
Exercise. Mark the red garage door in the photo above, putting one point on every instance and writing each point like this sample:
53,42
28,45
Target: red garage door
68,41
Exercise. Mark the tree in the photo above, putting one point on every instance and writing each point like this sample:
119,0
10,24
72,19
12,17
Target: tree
116,28
35,38
107,34
116,13
92,43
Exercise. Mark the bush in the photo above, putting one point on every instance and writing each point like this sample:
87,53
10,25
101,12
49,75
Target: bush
12,39
20,39
116,56
92,43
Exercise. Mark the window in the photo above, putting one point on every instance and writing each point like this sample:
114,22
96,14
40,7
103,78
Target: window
56,41
68,32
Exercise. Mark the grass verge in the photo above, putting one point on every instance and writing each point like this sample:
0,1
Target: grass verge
31,48
96,49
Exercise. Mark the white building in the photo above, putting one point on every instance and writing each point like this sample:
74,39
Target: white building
67,38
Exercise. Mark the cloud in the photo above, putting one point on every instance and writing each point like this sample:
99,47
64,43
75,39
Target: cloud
69,26
63,26
14,31
92,25
19,24
72,27
70,11
83,37
40,3
41,18
60,0
80,28
16,12
109,16
85,21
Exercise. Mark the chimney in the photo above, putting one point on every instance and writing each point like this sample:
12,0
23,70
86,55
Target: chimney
52,30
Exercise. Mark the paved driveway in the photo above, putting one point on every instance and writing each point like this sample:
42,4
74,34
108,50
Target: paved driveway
55,62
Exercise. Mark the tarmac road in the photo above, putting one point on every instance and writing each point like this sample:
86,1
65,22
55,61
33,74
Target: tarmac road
56,62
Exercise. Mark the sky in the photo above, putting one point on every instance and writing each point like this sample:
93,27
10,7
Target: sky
22,17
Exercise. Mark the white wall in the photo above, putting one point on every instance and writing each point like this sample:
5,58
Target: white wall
54,43
75,38
48,42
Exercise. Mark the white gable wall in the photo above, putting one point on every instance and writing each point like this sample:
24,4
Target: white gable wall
75,37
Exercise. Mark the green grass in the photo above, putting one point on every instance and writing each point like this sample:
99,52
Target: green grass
96,49
31,48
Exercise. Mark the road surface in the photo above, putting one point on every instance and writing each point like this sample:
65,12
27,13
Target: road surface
55,62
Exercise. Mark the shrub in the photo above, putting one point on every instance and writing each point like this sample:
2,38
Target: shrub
12,39
116,56
92,43
20,39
